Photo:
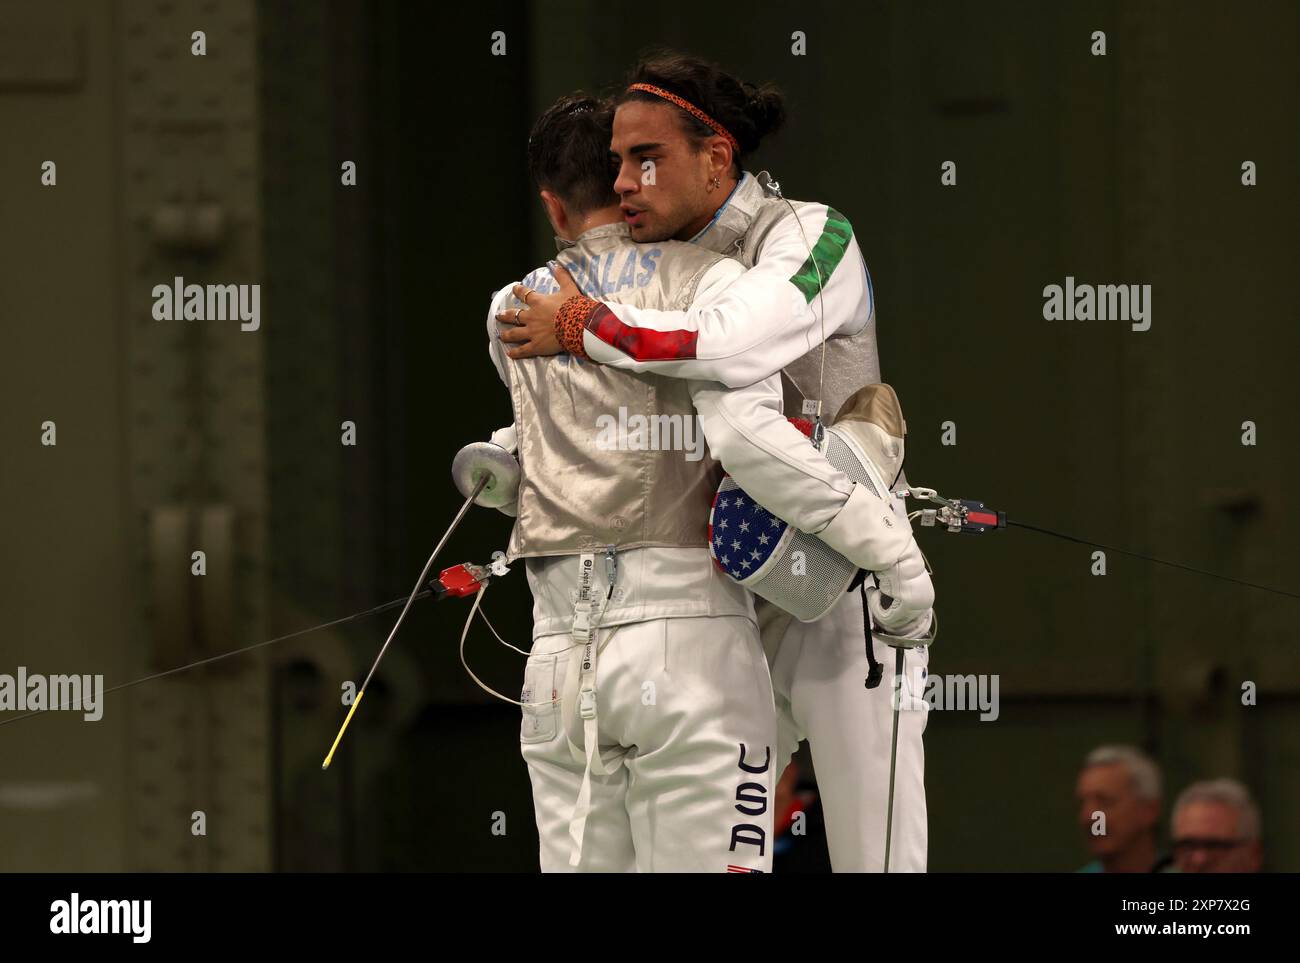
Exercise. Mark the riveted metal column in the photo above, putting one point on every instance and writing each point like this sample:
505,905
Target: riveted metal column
190,200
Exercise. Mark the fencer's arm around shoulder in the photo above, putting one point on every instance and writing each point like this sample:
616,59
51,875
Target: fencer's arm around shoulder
753,326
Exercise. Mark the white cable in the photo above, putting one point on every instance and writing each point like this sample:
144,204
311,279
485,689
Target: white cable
484,686
483,615
479,682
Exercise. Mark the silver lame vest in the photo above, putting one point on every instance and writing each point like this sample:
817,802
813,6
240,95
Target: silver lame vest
851,360
606,455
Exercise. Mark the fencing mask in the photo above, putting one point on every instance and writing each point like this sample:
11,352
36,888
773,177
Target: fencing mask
793,570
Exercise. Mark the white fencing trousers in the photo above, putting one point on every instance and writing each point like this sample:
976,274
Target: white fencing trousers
818,673
687,731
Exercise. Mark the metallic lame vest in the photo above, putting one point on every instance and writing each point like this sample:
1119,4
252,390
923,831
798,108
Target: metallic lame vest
851,360
610,457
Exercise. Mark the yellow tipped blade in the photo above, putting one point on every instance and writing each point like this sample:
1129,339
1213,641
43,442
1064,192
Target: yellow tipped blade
342,729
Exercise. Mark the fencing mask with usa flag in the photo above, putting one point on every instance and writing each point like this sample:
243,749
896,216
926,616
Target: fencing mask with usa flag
796,571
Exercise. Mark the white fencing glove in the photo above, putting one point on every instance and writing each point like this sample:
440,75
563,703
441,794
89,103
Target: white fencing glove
907,586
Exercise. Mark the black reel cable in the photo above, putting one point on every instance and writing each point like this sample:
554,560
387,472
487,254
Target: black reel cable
248,648
1152,558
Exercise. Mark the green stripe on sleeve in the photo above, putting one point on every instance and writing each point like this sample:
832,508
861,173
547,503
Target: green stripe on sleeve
826,254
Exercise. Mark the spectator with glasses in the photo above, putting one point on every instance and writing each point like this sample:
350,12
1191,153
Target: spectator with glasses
1216,829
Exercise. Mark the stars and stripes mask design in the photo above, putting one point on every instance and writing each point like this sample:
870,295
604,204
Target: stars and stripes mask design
744,537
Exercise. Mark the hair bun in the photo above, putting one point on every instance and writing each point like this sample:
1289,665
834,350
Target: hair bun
764,108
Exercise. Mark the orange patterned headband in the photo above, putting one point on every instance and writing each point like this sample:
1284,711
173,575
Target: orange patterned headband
692,110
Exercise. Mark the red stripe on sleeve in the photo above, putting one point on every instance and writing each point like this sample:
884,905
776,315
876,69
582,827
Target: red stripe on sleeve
641,344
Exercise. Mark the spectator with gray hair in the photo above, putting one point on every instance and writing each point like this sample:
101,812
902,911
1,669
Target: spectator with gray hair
1216,829
1119,792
